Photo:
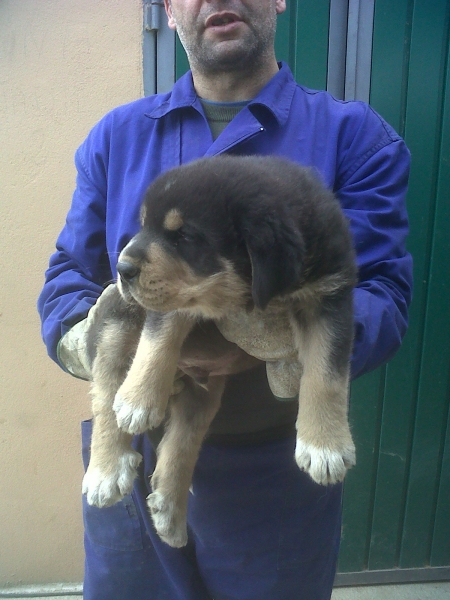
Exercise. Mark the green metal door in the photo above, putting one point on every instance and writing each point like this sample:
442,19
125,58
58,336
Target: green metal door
397,499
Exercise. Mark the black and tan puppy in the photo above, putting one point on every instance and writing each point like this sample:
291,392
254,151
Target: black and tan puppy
222,238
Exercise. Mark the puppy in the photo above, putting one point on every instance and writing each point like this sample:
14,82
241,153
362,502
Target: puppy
254,244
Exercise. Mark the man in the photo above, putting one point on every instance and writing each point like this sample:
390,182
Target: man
259,528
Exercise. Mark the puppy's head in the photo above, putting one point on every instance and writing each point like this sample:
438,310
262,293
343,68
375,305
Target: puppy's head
215,235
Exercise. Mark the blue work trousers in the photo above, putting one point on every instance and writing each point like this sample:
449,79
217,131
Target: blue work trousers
259,529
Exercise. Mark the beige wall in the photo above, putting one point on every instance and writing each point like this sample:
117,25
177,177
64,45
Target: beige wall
63,64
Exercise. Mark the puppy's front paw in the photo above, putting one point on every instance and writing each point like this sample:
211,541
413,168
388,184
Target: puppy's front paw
325,465
170,524
136,418
106,486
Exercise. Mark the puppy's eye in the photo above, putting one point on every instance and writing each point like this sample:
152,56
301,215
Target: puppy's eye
181,235
188,236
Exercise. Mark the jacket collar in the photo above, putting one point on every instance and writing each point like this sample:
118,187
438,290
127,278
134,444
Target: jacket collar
275,97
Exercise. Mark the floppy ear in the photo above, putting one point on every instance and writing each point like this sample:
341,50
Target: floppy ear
276,249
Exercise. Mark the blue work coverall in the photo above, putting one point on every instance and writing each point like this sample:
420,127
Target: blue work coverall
259,528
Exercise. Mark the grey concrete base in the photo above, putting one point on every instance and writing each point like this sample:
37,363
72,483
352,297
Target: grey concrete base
63,591
410,591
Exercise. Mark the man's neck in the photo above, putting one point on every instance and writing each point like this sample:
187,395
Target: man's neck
235,86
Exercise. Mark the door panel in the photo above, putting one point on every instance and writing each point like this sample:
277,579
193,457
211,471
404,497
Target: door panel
396,519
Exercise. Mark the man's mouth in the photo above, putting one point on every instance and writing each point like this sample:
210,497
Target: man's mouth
222,19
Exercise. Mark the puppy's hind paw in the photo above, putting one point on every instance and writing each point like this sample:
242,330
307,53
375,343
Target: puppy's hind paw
169,524
105,487
326,466
136,419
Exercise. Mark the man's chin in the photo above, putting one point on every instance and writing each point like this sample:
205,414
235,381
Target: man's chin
228,55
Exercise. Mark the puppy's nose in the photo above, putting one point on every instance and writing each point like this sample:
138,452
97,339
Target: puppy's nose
127,270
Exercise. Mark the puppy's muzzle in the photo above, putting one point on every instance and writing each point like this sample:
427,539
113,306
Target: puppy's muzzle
127,271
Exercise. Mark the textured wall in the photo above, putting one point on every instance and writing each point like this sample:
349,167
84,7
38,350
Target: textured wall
63,64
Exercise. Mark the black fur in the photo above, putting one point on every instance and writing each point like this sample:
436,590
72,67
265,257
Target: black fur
275,221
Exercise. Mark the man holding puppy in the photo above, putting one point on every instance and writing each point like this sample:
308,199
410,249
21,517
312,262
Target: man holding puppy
259,528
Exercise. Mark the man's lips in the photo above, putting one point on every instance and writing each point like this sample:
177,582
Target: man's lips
222,19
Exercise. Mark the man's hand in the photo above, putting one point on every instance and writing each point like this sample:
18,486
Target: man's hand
72,348
205,352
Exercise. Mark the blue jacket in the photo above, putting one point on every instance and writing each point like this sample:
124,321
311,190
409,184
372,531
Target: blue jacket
356,153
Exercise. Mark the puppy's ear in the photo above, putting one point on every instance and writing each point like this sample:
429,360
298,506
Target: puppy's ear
276,249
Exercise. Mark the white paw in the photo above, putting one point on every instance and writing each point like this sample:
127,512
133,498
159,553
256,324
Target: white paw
324,465
136,419
106,488
170,527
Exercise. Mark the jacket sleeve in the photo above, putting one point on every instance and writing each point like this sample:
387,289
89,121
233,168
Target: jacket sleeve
80,267
373,197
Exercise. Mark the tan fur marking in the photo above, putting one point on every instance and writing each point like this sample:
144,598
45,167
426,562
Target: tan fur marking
323,395
167,283
112,467
322,423
149,381
330,284
190,416
173,220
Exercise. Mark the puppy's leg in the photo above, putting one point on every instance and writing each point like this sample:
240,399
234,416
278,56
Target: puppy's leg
113,462
141,401
325,447
191,413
